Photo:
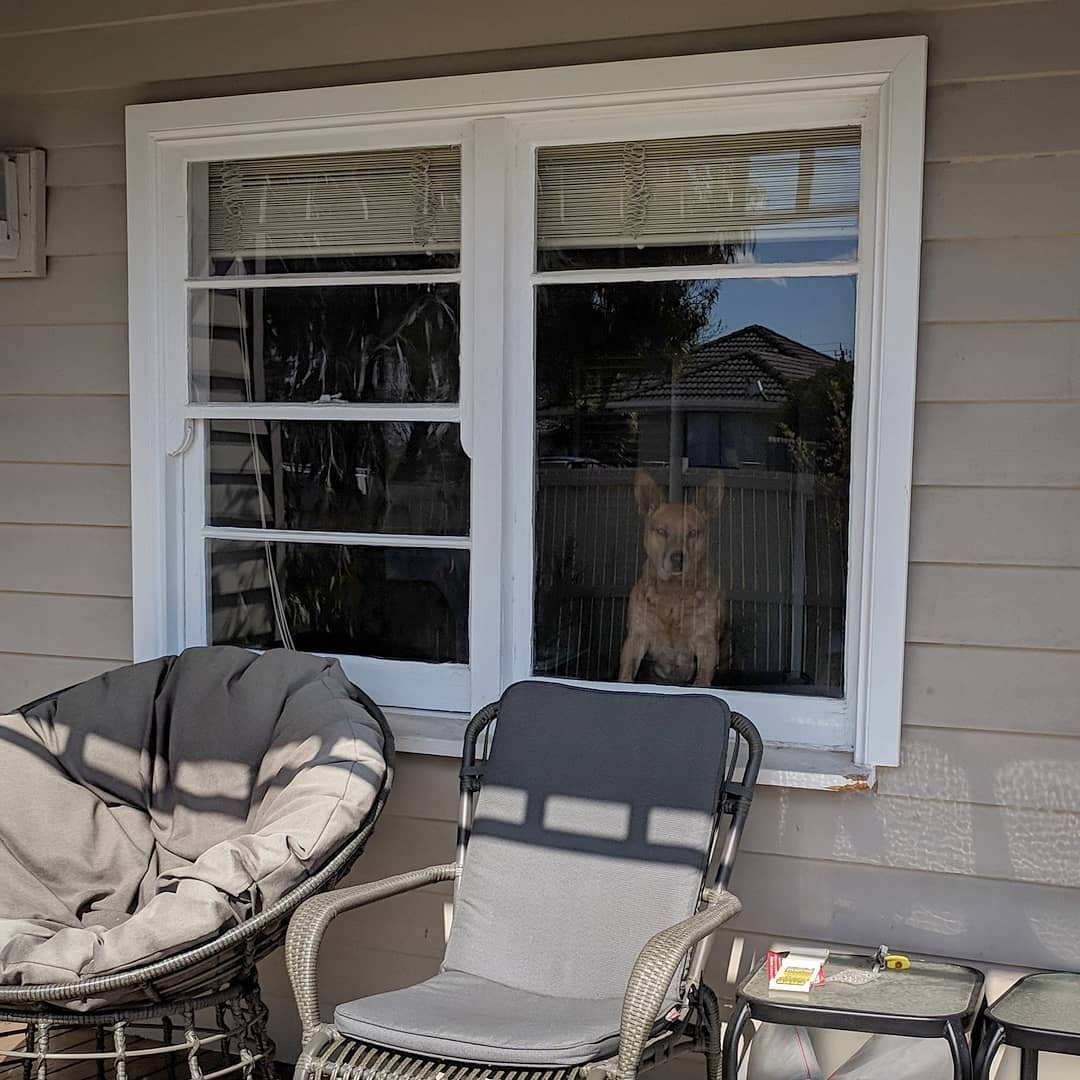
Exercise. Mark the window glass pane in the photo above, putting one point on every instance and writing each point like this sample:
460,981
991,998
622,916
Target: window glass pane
397,477
371,210
398,603
693,445
390,343
769,197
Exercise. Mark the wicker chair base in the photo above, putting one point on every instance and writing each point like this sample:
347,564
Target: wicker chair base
330,1056
350,1059
206,1038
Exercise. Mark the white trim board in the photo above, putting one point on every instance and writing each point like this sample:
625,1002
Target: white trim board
498,120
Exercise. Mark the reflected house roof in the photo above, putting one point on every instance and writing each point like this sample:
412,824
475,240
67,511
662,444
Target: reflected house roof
748,369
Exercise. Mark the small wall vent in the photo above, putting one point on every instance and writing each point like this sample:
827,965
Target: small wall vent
22,213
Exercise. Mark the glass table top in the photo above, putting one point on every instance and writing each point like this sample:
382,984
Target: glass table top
1048,1002
924,990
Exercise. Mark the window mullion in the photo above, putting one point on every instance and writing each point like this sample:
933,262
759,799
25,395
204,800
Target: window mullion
484,347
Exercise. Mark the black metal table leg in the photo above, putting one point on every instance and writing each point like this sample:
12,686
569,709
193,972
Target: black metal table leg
729,1058
961,1052
990,1040
1029,1064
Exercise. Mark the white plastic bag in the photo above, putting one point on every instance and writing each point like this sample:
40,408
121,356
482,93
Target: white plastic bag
782,1053
894,1057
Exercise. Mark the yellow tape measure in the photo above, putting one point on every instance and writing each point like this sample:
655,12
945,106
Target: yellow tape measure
896,962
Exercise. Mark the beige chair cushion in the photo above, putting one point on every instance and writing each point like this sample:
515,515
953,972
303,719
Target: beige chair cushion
158,805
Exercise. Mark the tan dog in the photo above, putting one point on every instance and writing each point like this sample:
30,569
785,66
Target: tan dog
677,613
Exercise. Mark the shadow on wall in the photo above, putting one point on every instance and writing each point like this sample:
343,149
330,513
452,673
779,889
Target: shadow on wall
999,849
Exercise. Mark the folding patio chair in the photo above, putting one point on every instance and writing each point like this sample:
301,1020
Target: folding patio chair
592,871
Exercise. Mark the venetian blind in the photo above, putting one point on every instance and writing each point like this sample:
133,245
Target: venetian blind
374,202
702,190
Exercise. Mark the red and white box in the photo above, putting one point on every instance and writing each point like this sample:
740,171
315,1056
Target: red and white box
795,968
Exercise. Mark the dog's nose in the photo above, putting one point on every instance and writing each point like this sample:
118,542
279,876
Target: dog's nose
676,560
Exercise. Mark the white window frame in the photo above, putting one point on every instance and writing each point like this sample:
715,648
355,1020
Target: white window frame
499,120
432,687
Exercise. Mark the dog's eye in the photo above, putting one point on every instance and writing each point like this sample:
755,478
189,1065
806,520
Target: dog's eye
691,533
661,531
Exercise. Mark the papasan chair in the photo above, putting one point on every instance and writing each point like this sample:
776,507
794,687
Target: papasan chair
158,825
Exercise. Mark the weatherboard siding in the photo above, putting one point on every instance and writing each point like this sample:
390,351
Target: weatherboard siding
968,849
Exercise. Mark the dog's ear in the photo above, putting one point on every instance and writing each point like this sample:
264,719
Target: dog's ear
710,495
647,493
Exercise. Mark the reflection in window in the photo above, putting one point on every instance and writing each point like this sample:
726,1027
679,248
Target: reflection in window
769,197
378,343
327,213
396,477
393,602
693,446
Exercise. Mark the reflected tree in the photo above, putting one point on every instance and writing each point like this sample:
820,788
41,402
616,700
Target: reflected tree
590,337
817,424
392,344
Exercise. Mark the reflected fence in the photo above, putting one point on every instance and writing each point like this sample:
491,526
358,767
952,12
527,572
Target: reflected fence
777,545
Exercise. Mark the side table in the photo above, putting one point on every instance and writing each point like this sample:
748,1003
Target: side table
927,1000
1039,1012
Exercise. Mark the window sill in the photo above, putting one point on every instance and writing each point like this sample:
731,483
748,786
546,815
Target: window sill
441,735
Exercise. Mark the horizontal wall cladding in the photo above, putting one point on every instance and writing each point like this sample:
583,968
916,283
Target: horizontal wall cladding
65,549
1028,118
1030,196
940,914
80,430
973,41
79,289
1000,280
86,627
1022,526
1003,444
986,802
1022,607
87,220
66,360
77,559
1035,772
65,494
85,166
77,120
298,35
920,833
25,677
991,689
1016,361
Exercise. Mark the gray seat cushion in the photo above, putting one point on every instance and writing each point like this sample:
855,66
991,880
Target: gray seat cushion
461,1017
592,833
156,806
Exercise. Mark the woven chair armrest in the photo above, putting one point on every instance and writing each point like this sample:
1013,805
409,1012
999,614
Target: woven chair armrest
310,920
657,964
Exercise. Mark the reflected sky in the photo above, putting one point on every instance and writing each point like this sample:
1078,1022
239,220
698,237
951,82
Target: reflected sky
818,312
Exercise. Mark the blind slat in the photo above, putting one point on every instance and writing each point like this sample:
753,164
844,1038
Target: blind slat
702,190
369,203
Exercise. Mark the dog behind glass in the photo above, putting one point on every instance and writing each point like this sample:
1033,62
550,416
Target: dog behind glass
677,613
